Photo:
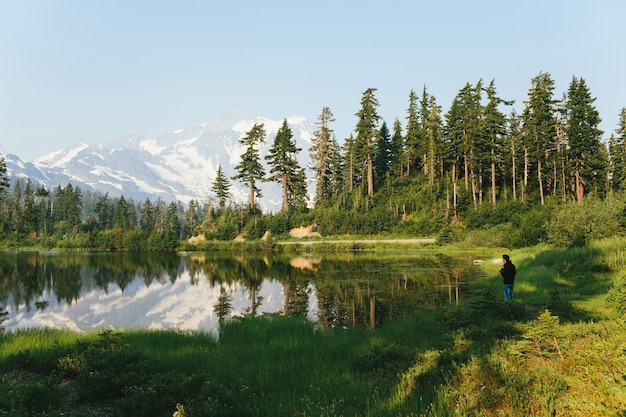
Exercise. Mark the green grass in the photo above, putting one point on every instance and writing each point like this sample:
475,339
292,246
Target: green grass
559,349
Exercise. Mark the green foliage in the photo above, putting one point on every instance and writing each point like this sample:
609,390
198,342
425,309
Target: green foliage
616,297
578,224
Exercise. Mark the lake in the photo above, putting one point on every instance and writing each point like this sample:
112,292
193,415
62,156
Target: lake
198,290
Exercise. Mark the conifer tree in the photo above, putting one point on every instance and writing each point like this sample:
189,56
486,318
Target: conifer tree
147,220
104,212
424,140
617,153
586,153
221,187
4,179
494,132
452,146
513,150
366,132
349,165
538,130
250,171
337,169
285,169
397,149
384,154
412,136
321,155
434,130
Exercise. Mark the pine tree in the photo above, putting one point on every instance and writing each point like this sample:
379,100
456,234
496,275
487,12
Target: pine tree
412,138
250,171
384,154
221,187
104,212
586,153
538,130
321,155
617,153
366,132
494,132
148,217
452,147
434,131
4,179
397,149
285,169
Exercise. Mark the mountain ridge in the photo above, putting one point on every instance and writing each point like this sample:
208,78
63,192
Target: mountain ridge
179,165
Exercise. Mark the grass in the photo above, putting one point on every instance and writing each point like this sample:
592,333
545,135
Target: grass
557,350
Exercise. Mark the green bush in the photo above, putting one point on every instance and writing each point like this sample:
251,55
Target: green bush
578,224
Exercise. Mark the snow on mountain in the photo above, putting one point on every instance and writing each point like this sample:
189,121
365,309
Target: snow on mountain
176,166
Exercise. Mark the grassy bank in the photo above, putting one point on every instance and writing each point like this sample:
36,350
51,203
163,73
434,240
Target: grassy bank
558,350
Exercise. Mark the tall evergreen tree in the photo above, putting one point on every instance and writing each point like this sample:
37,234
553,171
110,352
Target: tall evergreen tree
617,153
397,149
221,187
452,149
366,132
337,169
122,214
321,154
413,136
147,220
383,156
104,212
433,128
538,130
586,152
285,169
4,179
250,171
494,132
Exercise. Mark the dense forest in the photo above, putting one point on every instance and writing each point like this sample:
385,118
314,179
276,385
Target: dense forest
478,172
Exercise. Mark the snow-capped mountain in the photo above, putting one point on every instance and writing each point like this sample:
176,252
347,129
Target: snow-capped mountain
175,166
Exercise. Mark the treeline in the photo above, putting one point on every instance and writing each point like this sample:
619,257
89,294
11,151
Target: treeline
522,178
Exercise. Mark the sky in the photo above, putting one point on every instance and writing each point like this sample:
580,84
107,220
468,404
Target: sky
92,71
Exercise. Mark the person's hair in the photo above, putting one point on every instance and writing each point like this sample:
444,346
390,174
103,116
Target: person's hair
505,257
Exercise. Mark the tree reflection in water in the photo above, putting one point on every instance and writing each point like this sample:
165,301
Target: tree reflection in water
338,290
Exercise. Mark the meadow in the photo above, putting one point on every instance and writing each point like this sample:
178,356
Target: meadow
559,349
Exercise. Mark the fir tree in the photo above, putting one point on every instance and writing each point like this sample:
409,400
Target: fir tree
285,169
494,132
250,171
366,131
434,130
412,138
4,179
321,154
383,156
617,153
148,217
221,187
586,152
538,130
397,149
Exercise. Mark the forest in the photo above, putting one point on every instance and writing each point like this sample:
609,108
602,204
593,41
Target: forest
476,174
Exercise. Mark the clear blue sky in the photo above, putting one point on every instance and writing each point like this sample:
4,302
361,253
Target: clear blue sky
91,71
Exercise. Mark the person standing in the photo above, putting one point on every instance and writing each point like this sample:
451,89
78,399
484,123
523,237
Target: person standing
508,277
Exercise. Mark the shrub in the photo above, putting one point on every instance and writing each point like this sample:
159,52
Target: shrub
578,224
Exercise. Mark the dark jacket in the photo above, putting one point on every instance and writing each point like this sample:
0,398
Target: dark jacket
508,272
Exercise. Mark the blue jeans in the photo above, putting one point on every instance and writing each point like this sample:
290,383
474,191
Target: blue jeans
508,292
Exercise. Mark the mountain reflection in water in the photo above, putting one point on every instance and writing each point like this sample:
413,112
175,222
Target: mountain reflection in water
195,291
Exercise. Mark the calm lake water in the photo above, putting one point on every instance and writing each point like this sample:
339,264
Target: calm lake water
194,291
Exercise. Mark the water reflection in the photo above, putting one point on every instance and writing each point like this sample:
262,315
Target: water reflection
86,291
